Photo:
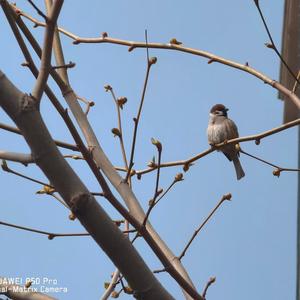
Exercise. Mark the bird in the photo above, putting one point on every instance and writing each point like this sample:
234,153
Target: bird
221,129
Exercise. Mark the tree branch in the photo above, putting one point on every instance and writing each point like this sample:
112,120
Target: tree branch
175,47
136,120
5,168
278,169
273,45
58,143
225,197
51,235
187,162
43,75
16,157
119,105
208,284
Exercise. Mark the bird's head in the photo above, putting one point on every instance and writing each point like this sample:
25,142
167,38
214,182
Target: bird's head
219,110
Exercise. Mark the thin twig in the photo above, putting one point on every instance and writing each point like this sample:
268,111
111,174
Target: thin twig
58,143
225,197
65,66
112,285
159,271
273,46
88,104
156,193
9,170
257,138
296,84
178,177
159,150
50,235
38,10
60,200
74,156
208,284
46,52
101,194
120,135
278,168
136,120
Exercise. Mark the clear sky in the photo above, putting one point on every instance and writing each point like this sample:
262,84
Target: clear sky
250,244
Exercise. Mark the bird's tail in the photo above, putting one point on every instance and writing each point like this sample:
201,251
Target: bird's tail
238,168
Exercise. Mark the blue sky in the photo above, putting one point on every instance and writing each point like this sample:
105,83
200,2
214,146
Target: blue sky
250,244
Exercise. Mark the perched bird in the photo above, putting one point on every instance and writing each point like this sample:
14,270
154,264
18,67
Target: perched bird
221,128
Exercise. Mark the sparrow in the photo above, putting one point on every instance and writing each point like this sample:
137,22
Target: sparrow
220,129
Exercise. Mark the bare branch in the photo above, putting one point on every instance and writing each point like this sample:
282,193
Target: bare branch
38,10
189,161
16,157
58,143
5,168
51,235
278,169
273,45
153,203
208,284
177,47
65,66
136,120
46,53
225,197
296,85
111,285
119,105
57,47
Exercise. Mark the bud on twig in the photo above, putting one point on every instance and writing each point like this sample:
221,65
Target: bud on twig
159,192
118,222
157,143
227,197
276,172
46,190
152,60
114,294
269,45
151,202
107,88
121,101
116,132
72,217
128,290
50,237
173,41
178,177
186,166
4,166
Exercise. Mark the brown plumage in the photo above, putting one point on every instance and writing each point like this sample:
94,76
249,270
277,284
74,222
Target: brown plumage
221,128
